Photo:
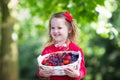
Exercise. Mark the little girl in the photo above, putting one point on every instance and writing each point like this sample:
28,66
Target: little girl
62,35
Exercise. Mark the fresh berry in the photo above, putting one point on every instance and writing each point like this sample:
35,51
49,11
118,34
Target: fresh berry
49,64
44,62
68,57
66,62
60,59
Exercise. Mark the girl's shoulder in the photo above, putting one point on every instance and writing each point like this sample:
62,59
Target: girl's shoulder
48,49
75,47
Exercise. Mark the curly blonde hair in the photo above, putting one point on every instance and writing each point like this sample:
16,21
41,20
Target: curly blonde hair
71,26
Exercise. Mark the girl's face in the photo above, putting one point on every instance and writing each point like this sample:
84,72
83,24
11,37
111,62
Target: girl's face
59,30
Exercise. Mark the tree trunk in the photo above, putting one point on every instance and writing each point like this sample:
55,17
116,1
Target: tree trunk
8,51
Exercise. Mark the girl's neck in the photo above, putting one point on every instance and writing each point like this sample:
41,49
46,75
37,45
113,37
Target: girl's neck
62,43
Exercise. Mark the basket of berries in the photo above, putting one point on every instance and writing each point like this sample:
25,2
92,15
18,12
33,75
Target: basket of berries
58,61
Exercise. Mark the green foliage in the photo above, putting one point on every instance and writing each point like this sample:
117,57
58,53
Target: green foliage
29,50
85,9
101,49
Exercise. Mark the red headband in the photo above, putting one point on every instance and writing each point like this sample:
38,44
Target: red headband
68,16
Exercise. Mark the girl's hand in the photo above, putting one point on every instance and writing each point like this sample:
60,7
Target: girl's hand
45,73
71,73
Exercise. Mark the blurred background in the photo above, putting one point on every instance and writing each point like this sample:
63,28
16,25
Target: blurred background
24,29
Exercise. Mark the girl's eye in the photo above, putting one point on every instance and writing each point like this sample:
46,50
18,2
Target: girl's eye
52,28
59,27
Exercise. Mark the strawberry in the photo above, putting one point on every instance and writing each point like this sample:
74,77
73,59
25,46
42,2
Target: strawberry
44,62
68,57
66,62
49,64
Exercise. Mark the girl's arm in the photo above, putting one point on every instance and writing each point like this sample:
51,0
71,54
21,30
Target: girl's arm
83,69
38,72
44,73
